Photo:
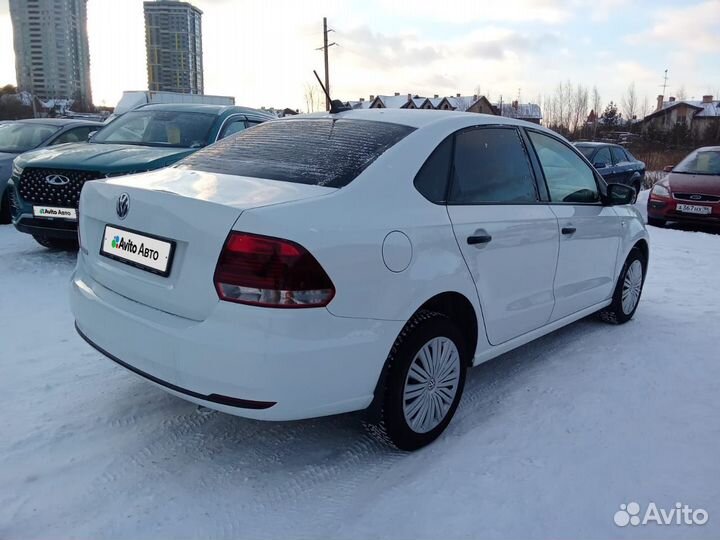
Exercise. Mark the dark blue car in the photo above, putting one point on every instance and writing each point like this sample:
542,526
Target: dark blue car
615,163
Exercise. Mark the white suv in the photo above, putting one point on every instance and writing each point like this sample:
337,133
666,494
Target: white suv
339,262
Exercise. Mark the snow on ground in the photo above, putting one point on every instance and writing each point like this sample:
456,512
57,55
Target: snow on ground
548,441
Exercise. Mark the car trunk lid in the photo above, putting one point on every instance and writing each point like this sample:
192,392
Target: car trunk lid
193,210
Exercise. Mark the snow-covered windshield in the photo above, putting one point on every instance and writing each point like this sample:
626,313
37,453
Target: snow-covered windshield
158,128
323,152
700,162
17,137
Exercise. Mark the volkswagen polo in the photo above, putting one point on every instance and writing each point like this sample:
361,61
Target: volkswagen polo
358,260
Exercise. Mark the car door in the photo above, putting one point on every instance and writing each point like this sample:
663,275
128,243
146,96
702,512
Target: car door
604,164
508,237
589,231
623,168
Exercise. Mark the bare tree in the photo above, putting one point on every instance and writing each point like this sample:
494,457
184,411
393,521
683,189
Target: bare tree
314,98
644,108
680,93
580,106
596,104
630,102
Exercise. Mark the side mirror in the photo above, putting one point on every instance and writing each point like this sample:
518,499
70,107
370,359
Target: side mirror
91,135
619,194
668,168
600,165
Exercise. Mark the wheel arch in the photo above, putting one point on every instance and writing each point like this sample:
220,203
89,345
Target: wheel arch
459,309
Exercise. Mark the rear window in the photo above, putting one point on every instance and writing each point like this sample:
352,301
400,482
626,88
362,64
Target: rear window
323,152
586,151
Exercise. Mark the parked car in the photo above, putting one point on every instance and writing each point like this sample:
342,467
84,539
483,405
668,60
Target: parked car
18,136
615,163
363,259
690,192
46,184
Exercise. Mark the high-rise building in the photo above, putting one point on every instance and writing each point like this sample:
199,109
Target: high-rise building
52,59
173,37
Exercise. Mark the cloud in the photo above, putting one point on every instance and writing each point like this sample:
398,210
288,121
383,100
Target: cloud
691,28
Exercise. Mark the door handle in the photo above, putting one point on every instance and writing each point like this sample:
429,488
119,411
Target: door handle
568,230
476,239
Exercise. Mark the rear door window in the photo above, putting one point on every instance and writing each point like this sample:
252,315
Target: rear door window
603,157
432,179
618,155
491,166
323,152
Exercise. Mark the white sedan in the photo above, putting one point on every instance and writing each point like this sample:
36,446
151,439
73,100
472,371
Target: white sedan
359,260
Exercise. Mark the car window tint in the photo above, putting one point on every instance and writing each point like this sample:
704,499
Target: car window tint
74,135
490,165
618,154
629,155
431,180
569,179
232,127
603,156
324,152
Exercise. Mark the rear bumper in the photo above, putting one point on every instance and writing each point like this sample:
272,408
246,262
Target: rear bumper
268,364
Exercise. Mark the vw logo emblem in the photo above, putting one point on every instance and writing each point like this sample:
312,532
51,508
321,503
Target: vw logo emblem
57,179
123,205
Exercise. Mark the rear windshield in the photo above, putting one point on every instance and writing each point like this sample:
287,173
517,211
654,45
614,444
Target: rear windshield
586,151
323,152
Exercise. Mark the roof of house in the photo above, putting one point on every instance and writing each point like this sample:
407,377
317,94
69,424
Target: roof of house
393,102
704,110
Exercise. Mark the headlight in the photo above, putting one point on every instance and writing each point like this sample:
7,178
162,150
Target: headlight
662,191
17,170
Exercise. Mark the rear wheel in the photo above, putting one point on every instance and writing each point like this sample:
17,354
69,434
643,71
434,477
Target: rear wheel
655,222
56,243
425,380
627,291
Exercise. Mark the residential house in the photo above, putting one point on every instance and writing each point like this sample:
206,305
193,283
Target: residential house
700,117
475,103
530,112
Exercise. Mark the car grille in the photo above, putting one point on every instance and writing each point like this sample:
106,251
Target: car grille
34,187
696,197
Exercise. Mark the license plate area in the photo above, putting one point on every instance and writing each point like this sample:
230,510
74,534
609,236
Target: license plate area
144,251
55,212
694,209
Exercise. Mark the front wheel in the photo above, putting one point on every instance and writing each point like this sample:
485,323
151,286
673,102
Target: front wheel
627,291
425,380
56,243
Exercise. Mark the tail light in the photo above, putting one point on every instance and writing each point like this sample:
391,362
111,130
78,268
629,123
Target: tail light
271,272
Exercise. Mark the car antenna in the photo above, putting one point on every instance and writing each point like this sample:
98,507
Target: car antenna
336,105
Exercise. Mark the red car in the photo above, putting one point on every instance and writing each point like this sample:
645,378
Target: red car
690,193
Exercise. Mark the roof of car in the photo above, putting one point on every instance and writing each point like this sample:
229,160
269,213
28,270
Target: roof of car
206,108
415,117
59,122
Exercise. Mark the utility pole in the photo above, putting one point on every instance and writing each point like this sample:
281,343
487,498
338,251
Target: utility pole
325,48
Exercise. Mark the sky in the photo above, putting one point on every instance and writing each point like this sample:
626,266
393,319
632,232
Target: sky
263,51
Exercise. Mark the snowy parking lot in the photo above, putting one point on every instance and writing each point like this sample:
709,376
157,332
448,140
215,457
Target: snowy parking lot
548,442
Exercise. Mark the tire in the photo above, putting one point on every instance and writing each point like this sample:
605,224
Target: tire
56,243
630,284
656,222
5,208
403,419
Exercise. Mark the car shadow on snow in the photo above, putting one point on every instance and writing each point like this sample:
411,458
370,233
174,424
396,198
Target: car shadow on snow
690,227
